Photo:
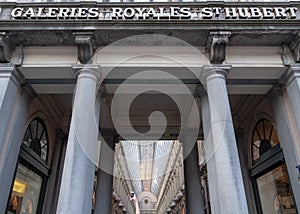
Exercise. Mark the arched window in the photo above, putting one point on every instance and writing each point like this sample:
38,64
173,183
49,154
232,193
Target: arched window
29,185
264,137
36,138
271,185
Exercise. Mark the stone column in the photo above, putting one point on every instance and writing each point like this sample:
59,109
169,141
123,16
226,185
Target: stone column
10,86
192,178
78,173
53,183
293,91
243,150
209,153
105,177
289,139
231,192
14,107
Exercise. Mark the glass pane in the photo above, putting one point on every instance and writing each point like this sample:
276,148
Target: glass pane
36,138
275,192
264,138
26,191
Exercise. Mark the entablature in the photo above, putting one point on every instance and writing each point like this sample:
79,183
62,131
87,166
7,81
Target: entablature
255,71
213,15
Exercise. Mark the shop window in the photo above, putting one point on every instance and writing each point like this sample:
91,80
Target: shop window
28,187
273,193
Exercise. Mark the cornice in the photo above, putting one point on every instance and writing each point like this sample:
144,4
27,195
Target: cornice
128,4
93,25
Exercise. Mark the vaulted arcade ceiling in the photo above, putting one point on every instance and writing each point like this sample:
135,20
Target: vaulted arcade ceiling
146,162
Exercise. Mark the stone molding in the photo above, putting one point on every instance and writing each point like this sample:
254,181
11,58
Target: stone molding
86,47
292,73
91,70
294,46
10,70
216,45
214,71
276,90
5,48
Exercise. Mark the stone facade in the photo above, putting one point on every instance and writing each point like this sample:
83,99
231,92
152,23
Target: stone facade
62,64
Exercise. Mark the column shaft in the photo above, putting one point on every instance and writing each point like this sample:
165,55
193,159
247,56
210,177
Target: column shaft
14,107
231,192
53,183
105,177
9,95
192,180
293,92
78,173
241,142
209,155
10,150
288,140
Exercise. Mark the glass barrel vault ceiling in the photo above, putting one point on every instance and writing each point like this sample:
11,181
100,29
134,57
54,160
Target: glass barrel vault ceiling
146,162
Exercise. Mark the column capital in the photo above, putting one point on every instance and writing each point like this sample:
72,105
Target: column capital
87,70
216,45
86,46
6,48
6,68
10,70
214,71
276,90
292,73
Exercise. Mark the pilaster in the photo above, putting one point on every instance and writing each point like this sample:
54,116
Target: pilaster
292,84
10,92
288,136
14,115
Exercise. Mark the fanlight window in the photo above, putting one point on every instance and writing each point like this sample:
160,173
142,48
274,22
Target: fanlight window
264,138
36,138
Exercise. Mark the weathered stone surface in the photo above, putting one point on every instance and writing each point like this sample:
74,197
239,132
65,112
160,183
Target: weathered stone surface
78,173
5,48
231,193
216,44
294,45
86,47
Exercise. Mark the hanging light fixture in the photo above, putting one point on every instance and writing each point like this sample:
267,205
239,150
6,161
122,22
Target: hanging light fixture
298,167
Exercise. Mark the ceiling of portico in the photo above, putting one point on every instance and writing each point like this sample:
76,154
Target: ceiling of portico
254,72
145,104
254,69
